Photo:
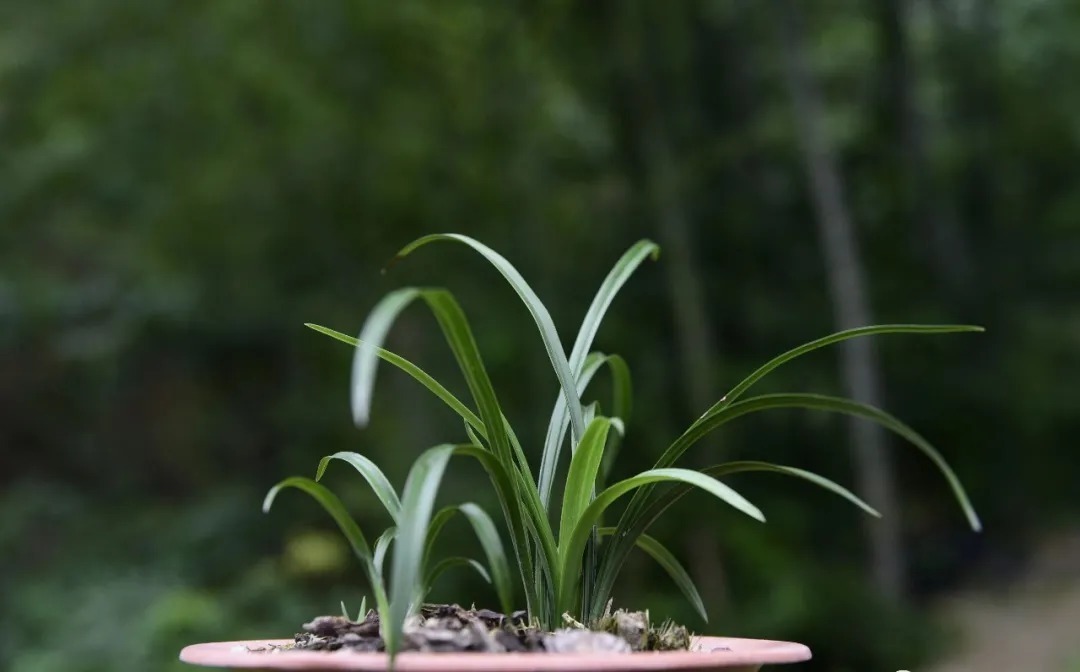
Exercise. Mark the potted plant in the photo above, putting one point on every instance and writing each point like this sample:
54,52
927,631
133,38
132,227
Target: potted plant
564,568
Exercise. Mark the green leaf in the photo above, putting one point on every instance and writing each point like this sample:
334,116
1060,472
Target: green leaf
504,444
559,423
517,521
417,502
570,552
662,502
581,487
365,360
583,367
714,419
618,549
485,531
512,489
438,522
382,545
622,391
519,453
838,337
408,367
348,526
334,507
616,278
536,308
449,563
455,328
473,436
672,566
488,535
581,478
375,477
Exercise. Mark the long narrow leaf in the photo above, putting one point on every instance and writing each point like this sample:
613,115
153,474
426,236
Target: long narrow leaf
365,360
616,551
661,503
559,423
622,391
413,370
581,478
517,523
504,444
672,566
449,563
489,539
557,427
380,485
616,278
417,502
714,419
719,416
382,545
838,337
519,452
438,522
473,436
333,506
348,526
580,362
570,552
536,308
459,337
580,489
820,402
511,490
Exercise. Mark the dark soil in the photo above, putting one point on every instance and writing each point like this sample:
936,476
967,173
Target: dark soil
449,628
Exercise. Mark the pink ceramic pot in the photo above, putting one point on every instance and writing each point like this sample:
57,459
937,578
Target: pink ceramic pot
709,653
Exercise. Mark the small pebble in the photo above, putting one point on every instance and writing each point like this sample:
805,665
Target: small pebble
585,641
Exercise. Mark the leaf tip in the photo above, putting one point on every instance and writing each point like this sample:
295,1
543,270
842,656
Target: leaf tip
268,501
360,412
322,468
389,265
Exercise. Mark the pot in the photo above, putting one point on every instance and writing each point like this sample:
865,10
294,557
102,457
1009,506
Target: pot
708,653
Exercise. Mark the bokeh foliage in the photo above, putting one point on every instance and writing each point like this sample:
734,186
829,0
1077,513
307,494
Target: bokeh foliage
182,185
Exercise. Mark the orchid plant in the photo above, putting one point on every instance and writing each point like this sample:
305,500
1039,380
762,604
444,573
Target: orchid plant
565,563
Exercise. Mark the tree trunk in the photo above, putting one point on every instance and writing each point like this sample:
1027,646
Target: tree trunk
922,205
850,306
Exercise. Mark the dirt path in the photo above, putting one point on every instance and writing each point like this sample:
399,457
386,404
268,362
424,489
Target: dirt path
1033,626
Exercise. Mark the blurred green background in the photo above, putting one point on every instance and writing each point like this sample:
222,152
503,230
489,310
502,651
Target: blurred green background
182,185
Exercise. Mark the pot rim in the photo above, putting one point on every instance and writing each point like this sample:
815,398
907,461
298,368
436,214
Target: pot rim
708,653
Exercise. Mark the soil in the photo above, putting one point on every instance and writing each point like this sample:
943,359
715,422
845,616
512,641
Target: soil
451,628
